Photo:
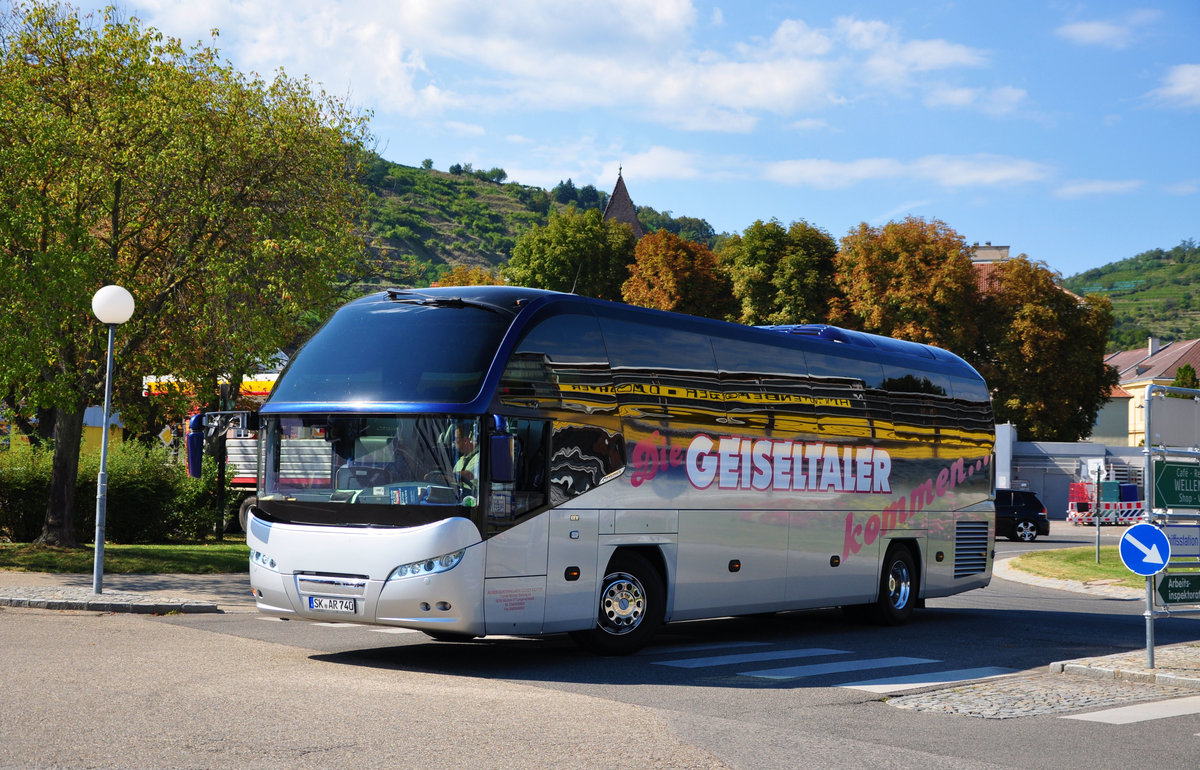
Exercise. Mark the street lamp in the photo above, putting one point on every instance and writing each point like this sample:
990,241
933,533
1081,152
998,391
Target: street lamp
113,305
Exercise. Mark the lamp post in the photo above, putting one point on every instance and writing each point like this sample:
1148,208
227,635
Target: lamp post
113,306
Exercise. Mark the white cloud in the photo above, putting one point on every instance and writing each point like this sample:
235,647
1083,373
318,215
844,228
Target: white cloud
980,170
1185,187
424,58
949,171
1181,87
994,101
1088,187
658,163
810,124
465,129
829,174
1116,33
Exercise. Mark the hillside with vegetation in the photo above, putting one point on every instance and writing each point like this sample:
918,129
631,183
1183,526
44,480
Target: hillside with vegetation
1156,293
421,222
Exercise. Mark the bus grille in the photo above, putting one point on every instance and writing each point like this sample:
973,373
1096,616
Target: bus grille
970,548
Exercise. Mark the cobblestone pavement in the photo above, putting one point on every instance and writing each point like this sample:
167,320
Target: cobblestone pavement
1024,695
67,598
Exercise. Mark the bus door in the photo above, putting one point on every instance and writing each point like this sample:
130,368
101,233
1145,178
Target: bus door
582,459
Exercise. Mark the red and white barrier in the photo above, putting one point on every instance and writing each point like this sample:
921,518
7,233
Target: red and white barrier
1121,514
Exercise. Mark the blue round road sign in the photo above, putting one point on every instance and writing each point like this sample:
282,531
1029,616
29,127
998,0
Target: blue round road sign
1145,549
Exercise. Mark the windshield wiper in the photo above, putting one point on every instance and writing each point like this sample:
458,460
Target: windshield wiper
411,298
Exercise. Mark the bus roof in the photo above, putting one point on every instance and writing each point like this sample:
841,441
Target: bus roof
512,308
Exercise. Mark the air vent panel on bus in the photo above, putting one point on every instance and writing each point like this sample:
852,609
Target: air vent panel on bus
970,548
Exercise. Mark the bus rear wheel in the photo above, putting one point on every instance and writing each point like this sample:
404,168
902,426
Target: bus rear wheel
897,587
631,610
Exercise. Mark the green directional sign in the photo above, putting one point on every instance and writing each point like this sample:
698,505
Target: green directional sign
1179,589
1176,485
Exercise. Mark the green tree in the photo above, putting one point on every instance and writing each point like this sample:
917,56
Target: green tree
780,276
1042,352
224,203
688,228
576,252
912,280
465,275
1185,377
670,273
565,192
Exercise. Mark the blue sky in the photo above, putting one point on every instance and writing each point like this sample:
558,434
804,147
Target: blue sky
1069,131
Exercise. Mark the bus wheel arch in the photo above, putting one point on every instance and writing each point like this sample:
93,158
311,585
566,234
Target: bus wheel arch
632,603
899,584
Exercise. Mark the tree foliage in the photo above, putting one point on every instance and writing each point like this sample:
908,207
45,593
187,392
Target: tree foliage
224,203
688,228
464,275
912,280
780,276
1042,352
1185,377
670,273
576,252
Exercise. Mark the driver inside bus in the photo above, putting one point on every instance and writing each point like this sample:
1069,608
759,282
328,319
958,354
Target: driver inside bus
466,467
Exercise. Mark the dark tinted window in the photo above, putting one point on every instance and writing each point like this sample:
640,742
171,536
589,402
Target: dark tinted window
664,377
766,387
642,346
847,393
384,351
560,363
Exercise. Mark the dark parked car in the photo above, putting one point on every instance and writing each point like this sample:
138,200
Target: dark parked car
1020,515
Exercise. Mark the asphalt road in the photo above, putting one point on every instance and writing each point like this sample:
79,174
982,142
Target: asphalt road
797,689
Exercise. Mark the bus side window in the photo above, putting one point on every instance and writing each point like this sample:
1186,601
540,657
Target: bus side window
526,492
582,457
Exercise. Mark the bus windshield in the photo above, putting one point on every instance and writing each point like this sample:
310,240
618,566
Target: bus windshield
368,470
387,351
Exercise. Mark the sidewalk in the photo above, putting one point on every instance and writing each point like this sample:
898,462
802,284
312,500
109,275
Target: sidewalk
150,594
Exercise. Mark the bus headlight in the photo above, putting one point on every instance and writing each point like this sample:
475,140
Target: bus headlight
262,560
443,563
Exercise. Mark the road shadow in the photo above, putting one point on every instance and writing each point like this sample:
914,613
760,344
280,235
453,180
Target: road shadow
1020,640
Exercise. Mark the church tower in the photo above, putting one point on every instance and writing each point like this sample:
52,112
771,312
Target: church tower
620,207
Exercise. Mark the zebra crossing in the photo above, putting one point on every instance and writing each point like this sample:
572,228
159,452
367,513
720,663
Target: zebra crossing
751,660
748,664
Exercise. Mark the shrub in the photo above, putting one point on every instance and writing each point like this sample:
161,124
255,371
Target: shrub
24,491
195,510
142,487
149,498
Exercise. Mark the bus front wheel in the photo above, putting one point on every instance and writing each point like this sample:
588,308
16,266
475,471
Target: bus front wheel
632,607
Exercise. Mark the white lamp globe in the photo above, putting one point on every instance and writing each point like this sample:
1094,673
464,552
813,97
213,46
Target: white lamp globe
112,305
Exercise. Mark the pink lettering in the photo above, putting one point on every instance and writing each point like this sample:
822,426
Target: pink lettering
851,544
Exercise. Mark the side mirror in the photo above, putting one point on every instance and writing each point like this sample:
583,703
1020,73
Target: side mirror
195,445
503,452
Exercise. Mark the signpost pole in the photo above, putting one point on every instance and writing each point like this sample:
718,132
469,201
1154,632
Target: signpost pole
1149,621
1146,550
1096,512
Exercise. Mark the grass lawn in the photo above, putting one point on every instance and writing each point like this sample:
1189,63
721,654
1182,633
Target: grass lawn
232,555
199,558
1080,564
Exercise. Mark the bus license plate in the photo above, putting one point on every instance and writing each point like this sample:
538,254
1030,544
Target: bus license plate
330,604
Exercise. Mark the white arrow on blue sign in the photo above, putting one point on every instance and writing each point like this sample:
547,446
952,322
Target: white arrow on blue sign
1145,549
